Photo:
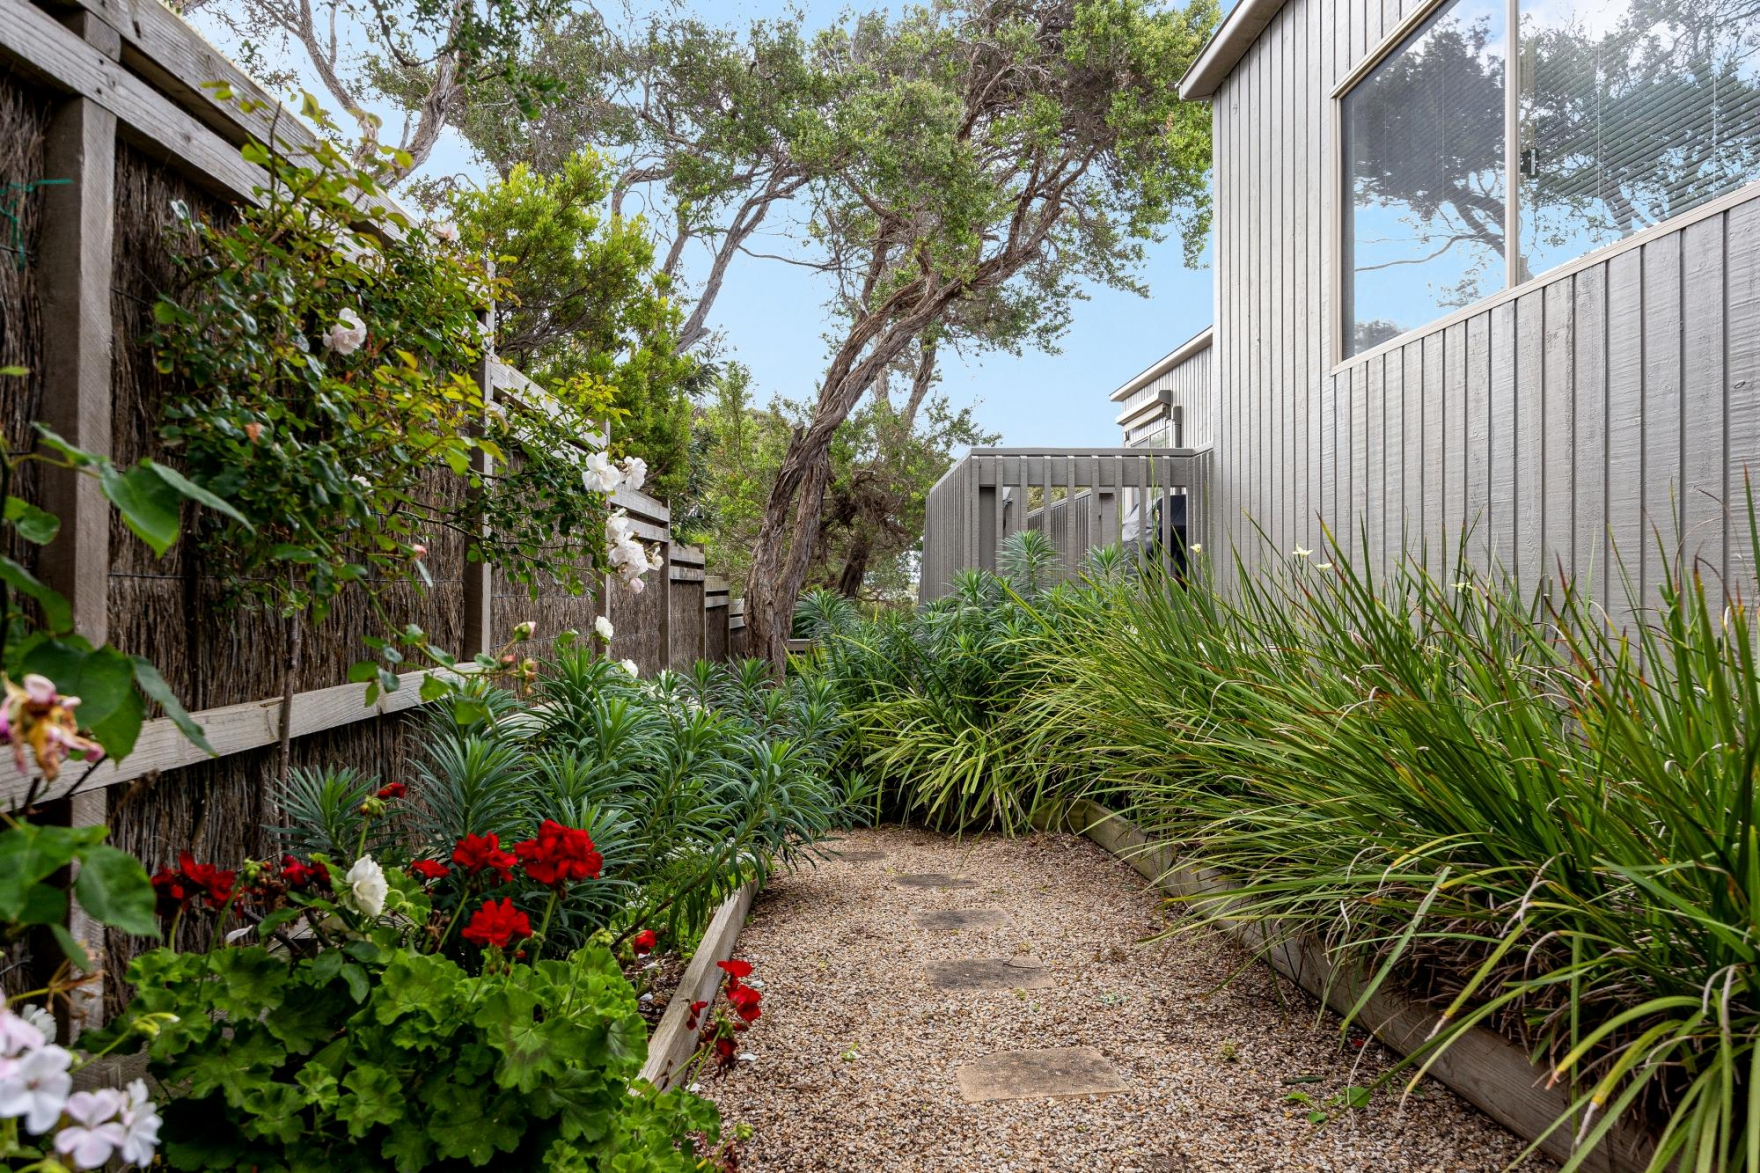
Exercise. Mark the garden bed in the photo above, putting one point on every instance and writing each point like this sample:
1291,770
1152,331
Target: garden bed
1485,1069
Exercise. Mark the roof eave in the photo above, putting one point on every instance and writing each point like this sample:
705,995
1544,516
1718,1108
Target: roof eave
1226,48
1167,362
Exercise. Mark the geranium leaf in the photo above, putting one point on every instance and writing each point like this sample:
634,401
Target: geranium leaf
113,888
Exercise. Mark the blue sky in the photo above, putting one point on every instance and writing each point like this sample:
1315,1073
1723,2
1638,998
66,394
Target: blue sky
771,315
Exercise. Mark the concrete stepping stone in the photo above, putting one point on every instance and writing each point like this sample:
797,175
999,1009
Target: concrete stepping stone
933,880
960,918
858,856
988,973
1035,1075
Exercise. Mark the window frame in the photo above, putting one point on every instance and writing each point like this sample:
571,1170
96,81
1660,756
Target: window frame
1342,330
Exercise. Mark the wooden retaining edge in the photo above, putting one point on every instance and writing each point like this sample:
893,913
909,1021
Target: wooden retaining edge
1482,1067
672,1043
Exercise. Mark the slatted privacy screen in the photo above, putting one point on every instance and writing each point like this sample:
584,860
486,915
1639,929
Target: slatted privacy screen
1080,499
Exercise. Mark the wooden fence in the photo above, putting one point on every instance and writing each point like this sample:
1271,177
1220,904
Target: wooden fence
107,115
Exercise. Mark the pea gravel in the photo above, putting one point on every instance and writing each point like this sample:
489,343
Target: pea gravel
852,1066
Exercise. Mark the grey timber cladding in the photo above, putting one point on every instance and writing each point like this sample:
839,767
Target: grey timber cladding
1594,421
1189,388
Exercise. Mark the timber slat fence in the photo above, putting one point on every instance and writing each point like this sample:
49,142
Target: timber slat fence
109,109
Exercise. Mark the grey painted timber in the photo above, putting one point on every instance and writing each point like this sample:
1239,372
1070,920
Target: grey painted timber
1599,419
995,492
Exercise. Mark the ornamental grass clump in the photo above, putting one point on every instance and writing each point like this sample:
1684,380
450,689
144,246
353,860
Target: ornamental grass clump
1541,815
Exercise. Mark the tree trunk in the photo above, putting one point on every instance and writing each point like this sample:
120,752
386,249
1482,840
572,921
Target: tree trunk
855,569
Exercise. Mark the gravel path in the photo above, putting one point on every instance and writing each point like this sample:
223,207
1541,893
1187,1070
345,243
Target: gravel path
853,1064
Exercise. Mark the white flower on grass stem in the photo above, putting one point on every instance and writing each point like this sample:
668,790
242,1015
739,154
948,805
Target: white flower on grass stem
367,886
630,667
1298,552
602,625
1197,548
35,1087
140,1125
347,335
95,1134
1323,566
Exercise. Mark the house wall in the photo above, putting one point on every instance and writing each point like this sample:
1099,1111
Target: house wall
1190,388
1562,420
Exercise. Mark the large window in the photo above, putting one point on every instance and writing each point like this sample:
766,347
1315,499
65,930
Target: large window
1624,113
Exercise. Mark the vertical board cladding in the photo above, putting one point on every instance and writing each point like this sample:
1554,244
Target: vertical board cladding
1599,422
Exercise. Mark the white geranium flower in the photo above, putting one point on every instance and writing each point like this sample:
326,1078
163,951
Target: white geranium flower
36,1088
39,1017
347,335
366,884
602,625
94,1134
601,476
140,1125
635,472
19,1033
630,667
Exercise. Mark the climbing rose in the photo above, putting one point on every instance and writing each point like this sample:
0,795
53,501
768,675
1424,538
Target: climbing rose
474,853
630,667
525,630
346,336
496,924
643,942
37,717
428,869
559,855
602,625
736,969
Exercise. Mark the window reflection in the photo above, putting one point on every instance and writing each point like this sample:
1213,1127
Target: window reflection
1425,157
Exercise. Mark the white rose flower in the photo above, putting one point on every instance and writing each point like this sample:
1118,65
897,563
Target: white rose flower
366,884
635,472
630,667
602,625
347,335
601,476
525,630
446,230
637,586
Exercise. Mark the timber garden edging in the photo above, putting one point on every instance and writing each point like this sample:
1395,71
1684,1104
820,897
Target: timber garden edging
1482,1067
673,1042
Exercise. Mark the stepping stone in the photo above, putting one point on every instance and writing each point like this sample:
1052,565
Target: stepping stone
960,918
858,856
934,880
1034,1075
987,973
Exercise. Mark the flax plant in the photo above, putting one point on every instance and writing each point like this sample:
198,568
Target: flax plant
1540,815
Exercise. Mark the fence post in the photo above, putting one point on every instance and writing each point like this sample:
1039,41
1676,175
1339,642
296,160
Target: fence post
479,576
77,259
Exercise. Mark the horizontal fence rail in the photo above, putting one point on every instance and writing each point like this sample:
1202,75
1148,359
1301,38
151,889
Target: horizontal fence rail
1150,500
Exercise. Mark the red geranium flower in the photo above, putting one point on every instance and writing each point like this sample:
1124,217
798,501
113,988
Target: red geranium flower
744,1001
392,790
497,923
643,942
304,875
475,853
173,895
559,855
428,869
736,969
214,883
697,1008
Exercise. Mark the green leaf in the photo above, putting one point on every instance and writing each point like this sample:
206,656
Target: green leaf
147,678
149,506
103,678
469,712
235,1066
373,1096
57,613
113,888
118,732
433,688
188,488
78,457
33,524
362,671
356,979
70,948
273,1112
30,854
